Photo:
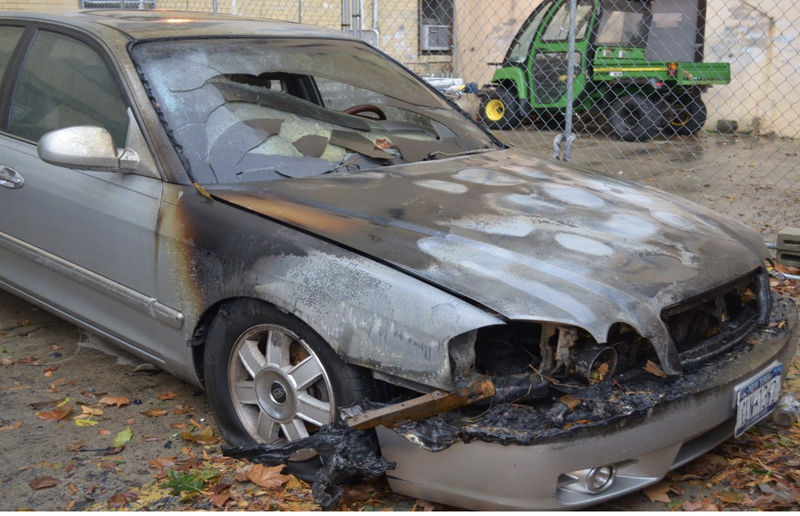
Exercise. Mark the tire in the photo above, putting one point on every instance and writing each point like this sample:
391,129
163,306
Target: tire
634,118
689,118
500,109
239,335
552,121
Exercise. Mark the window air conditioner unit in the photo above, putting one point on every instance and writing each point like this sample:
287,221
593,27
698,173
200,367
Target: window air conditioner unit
435,38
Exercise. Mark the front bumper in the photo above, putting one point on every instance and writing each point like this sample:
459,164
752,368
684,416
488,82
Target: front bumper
490,476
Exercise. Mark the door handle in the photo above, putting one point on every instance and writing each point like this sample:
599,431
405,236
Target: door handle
10,178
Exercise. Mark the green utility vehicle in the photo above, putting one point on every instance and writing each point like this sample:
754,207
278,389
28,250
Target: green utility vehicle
637,62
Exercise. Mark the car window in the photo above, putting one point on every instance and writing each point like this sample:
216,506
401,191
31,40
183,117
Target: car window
558,27
65,83
9,37
260,109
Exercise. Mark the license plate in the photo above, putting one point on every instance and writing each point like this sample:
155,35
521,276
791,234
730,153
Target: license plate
757,397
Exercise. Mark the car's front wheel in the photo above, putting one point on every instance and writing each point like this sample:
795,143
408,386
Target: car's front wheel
271,378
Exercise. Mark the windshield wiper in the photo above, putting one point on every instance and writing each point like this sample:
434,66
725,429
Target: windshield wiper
435,154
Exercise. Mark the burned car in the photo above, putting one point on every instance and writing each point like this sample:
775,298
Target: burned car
288,218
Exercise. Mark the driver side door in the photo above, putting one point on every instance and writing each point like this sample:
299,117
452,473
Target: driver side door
81,243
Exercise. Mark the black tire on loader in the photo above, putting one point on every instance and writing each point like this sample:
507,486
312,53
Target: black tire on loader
689,118
634,118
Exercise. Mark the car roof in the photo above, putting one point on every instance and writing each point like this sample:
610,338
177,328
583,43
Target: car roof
156,24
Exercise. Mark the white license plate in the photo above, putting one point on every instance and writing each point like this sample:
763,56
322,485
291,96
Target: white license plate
757,397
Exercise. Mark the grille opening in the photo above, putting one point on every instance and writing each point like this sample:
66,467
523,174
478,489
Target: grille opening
713,322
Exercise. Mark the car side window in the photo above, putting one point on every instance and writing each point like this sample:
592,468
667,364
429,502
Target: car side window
9,37
65,83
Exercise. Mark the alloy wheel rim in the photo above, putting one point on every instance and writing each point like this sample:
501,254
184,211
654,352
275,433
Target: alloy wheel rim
279,387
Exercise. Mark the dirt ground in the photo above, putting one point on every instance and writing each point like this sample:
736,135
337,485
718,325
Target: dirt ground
52,461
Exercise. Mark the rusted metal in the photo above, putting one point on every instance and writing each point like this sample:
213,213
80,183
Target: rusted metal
423,407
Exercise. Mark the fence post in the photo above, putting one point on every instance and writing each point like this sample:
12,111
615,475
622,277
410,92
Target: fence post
568,138
214,6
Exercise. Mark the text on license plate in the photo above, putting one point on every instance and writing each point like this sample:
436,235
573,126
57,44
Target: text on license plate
757,397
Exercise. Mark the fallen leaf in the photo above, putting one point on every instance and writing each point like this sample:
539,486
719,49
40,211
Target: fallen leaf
181,410
12,427
121,499
122,437
731,496
168,396
162,462
7,361
206,436
383,143
108,464
267,477
119,401
154,413
43,482
76,446
81,421
27,361
219,500
55,347
652,368
178,426
91,394
56,414
570,401
131,421
50,370
70,505
89,411
692,505
658,492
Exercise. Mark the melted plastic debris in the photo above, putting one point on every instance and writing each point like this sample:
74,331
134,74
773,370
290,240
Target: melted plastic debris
343,451
311,145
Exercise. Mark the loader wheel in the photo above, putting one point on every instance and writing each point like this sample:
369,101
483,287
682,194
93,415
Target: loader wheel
499,110
634,118
689,116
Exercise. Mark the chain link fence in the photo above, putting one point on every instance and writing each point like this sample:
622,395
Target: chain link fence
696,97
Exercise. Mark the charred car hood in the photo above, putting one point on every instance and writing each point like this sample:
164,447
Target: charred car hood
526,237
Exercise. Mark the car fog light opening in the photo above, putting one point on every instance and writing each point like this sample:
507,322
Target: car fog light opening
600,479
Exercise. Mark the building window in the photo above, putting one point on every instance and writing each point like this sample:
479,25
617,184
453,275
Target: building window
436,26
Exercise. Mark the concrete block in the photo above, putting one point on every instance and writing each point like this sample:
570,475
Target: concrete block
789,247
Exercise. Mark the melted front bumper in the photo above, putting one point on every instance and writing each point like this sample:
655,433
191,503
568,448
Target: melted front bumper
489,476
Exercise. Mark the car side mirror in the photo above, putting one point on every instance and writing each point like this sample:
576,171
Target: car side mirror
86,147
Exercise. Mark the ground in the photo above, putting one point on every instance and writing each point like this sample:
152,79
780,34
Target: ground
170,456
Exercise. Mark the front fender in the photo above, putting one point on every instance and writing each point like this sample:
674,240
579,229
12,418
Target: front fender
371,314
515,75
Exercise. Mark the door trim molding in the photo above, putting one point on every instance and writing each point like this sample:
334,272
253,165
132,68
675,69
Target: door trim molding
116,291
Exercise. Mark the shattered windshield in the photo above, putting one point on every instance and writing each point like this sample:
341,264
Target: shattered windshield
261,109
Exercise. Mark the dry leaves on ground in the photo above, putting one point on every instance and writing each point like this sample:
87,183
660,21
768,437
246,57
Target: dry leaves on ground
154,413
119,401
56,414
658,492
43,482
267,477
